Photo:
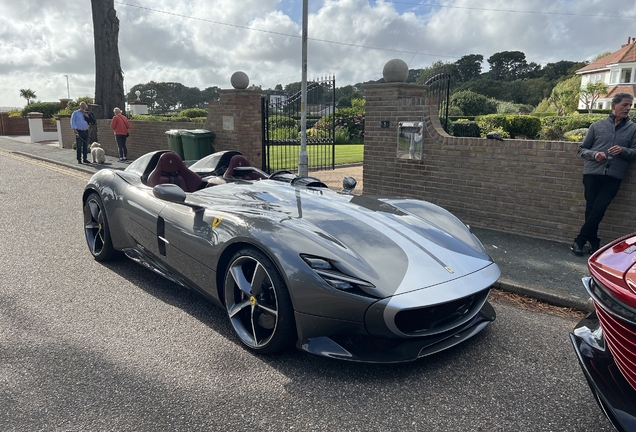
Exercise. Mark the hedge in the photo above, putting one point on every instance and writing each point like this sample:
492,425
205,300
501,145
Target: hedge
48,109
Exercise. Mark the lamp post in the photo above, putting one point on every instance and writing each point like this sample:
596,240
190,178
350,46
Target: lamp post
303,159
68,91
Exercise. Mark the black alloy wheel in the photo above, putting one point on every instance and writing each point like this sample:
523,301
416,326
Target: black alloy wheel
258,304
96,229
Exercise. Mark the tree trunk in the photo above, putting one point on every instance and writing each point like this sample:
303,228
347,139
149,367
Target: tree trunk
109,79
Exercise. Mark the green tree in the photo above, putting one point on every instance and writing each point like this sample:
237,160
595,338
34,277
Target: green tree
509,65
591,93
469,67
565,95
436,68
560,69
293,88
27,94
344,102
210,94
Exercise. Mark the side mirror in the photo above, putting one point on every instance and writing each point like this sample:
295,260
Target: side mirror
169,192
348,185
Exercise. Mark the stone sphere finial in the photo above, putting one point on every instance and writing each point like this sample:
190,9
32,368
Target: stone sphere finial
395,70
240,80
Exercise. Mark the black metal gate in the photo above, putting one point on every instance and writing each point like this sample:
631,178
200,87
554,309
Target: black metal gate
282,125
439,87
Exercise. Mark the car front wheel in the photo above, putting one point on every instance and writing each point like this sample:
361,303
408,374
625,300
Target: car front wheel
96,229
258,303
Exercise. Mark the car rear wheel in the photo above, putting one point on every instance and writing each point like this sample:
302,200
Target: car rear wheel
96,229
258,303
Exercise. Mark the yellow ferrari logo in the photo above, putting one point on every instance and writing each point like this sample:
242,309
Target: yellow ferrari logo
216,222
252,300
448,269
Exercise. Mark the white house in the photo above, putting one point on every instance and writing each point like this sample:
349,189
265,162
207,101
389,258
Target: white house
616,70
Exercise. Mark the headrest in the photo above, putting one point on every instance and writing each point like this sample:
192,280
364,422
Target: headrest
170,162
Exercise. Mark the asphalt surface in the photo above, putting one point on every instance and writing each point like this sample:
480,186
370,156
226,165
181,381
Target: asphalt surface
542,269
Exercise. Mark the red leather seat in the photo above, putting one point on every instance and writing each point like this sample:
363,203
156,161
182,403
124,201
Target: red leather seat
240,161
171,169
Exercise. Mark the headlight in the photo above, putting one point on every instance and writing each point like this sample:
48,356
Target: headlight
334,277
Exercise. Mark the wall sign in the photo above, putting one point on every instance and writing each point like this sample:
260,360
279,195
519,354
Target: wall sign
228,123
384,124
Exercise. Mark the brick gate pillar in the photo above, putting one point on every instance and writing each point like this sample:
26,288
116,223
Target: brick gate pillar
386,106
237,121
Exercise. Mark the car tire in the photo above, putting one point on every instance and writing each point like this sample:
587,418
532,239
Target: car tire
97,230
258,303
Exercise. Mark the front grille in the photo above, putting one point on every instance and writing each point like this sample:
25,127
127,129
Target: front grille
366,342
620,336
441,315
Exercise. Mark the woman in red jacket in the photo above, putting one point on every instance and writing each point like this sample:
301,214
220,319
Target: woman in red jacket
120,125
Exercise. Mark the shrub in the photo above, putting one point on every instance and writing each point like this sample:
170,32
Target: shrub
48,109
554,128
471,103
193,113
513,125
284,133
454,111
351,120
523,125
342,136
513,108
576,134
466,129
277,122
491,123
502,132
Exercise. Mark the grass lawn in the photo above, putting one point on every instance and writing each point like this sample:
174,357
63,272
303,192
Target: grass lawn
287,157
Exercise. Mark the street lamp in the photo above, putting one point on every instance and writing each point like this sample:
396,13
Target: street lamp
303,159
68,91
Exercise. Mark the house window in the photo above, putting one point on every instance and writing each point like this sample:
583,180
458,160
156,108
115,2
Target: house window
626,75
614,76
597,78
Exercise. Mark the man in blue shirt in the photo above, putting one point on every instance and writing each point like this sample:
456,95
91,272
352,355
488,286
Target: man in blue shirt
79,123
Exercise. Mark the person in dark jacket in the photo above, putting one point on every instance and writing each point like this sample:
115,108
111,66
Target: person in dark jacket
607,149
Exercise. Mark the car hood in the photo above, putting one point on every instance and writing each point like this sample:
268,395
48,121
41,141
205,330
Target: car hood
397,245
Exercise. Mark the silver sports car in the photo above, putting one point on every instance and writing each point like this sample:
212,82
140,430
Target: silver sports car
359,278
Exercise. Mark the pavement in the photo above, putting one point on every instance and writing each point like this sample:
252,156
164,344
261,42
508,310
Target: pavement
542,269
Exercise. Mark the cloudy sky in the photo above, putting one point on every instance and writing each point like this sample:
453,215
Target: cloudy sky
201,43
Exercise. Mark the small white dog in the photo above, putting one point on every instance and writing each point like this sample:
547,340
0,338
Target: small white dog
97,153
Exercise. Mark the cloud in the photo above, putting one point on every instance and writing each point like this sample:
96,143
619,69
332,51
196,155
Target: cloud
201,43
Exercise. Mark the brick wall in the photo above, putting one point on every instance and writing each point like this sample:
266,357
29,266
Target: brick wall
13,125
527,187
145,136
235,119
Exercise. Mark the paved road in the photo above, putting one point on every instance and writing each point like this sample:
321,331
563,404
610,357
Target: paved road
86,346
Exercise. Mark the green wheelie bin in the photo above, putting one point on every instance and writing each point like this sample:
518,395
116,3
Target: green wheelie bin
197,143
174,142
